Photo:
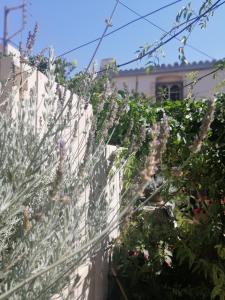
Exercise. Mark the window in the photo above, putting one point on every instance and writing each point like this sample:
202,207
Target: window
169,91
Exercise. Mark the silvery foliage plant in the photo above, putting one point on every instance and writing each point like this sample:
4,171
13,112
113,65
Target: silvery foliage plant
42,214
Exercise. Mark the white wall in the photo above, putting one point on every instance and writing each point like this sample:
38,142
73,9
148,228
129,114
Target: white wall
93,283
94,271
146,83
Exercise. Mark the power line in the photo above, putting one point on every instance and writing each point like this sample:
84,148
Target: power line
213,7
191,22
202,77
123,26
119,28
108,24
165,31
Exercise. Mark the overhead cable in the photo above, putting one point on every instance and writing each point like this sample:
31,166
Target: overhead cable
119,28
189,23
165,31
108,24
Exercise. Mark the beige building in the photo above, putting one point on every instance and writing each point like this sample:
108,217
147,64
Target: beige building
172,81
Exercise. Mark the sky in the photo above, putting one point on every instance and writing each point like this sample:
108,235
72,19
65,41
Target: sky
66,24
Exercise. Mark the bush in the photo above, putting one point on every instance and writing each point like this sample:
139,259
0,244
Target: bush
155,259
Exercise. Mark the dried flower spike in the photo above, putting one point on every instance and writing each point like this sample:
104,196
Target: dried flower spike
205,126
160,134
26,221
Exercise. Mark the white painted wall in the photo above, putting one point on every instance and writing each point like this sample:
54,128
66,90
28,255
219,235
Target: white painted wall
93,283
94,272
146,83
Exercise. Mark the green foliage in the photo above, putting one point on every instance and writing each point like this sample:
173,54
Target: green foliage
196,247
185,16
63,68
193,268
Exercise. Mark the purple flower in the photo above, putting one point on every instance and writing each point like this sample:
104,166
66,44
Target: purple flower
61,144
61,194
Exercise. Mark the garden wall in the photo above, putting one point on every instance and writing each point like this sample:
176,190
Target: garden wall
93,272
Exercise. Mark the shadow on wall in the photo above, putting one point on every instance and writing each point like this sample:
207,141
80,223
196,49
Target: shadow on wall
98,205
95,284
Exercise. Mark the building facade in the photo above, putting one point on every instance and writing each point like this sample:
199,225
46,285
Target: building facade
173,82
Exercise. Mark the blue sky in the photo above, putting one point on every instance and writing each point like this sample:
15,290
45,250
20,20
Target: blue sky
69,23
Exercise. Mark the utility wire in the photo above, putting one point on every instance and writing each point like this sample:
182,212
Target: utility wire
202,77
119,28
213,7
108,24
123,26
191,22
165,31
